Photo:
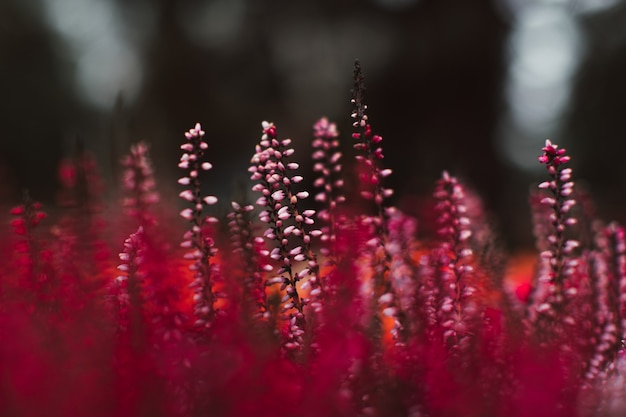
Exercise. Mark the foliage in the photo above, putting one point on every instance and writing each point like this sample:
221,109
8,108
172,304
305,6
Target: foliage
337,307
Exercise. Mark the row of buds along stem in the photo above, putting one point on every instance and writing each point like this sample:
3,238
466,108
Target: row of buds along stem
128,285
197,239
139,184
326,157
253,258
371,175
401,247
454,258
287,228
369,149
609,268
560,253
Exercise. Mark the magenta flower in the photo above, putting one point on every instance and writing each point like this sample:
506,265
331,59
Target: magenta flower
552,155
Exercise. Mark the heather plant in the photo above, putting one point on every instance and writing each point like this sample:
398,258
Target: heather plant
286,225
198,238
330,182
337,305
139,185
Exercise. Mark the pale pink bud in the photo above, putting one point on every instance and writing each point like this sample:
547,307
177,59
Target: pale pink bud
283,213
386,298
187,214
464,235
186,195
278,195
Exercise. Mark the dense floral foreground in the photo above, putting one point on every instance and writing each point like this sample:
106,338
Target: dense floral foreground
321,302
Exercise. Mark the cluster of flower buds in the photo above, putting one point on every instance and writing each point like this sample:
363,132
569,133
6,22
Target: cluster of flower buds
200,244
287,227
139,183
128,285
326,157
609,268
400,246
368,146
369,151
560,251
253,258
453,254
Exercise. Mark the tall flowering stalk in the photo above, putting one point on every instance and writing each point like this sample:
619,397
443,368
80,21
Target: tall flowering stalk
287,229
608,267
327,164
453,259
371,175
127,287
403,272
139,185
369,153
198,239
252,260
560,252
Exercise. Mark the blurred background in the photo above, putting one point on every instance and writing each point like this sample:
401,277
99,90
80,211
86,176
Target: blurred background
471,86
